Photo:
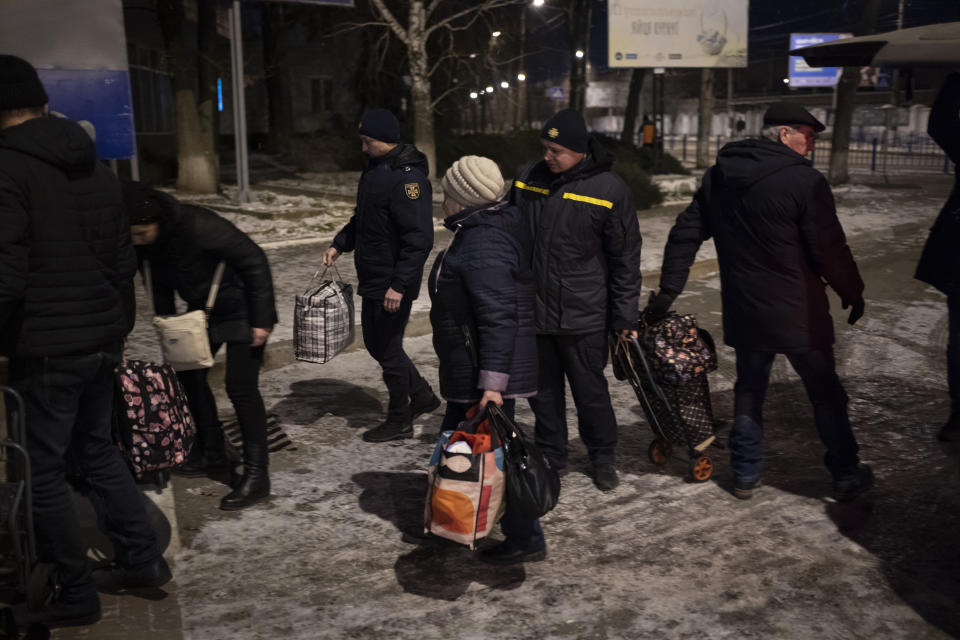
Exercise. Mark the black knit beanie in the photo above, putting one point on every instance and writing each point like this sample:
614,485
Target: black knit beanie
20,86
567,129
145,205
381,125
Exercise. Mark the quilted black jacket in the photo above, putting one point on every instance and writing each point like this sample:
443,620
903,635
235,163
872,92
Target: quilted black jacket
66,262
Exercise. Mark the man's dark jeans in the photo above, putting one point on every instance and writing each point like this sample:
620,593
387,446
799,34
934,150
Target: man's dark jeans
818,373
521,532
383,337
581,360
69,404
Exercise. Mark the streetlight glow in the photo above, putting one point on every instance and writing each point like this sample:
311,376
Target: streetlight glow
472,56
579,53
473,95
490,89
521,77
538,3
495,34
504,85
786,81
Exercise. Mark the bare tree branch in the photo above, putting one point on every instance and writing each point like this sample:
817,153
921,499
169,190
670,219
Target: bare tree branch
487,5
353,26
392,21
443,95
432,7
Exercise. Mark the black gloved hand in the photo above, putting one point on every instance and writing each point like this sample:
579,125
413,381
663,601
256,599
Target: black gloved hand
856,310
658,305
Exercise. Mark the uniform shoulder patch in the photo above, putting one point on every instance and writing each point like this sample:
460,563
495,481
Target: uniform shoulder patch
412,189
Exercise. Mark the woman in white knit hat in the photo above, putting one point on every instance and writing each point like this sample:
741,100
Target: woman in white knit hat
482,297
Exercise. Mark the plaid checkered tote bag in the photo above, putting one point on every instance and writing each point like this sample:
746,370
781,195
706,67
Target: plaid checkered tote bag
323,319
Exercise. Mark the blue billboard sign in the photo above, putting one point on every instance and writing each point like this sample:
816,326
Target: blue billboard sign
803,75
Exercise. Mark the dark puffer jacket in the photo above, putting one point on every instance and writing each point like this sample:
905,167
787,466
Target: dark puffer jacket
775,226
586,255
391,232
940,261
66,262
192,241
481,293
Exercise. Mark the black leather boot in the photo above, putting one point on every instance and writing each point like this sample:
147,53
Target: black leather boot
255,483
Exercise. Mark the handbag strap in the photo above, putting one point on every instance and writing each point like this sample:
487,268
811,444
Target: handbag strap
211,297
148,283
318,273
215,286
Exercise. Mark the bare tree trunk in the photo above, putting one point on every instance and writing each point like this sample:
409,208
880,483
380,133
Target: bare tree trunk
705,118
423,129
278,79
196,162
633,106
839,172
208,74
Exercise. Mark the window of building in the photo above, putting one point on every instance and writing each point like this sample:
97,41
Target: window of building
152,91
321,95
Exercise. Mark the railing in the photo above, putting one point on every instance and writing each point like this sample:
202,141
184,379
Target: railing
910,153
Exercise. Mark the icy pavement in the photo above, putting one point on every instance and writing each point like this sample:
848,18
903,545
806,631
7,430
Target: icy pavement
333,553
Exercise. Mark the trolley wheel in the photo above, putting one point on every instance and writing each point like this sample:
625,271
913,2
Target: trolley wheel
701,468
41,585
659,452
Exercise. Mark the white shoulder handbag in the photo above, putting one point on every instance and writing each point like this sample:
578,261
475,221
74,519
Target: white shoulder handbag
183,338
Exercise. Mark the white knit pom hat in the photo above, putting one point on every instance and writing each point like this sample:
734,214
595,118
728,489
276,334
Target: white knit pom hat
473,180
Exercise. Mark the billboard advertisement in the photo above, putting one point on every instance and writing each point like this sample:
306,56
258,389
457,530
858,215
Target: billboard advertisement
678,33
803,75
80,52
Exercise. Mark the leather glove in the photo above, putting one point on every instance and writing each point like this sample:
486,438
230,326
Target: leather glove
658,305
856,310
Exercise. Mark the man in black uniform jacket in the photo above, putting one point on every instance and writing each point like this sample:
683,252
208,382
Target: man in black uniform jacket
773,220
391,235
586,263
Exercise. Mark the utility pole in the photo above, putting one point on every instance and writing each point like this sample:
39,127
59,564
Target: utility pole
731,116
705,118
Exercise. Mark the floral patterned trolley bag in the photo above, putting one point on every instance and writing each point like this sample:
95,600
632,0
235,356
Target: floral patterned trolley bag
152,421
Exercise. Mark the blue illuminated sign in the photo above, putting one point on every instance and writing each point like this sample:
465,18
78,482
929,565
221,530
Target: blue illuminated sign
802,74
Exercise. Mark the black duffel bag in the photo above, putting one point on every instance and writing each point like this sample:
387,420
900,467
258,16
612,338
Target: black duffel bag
533,485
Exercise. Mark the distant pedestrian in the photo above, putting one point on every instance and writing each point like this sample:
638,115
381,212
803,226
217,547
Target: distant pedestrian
66,304
183,245
774,223
391,235
482,295
940,262
586,264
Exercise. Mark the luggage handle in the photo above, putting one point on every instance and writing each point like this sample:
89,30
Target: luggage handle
338,290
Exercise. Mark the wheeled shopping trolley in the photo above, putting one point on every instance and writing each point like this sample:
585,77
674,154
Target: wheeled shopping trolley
677,406
19,569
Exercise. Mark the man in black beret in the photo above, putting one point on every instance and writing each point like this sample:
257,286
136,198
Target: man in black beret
586,261
774,223
391,235
66,304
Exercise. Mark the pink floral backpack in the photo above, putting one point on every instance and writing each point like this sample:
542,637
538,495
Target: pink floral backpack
154,427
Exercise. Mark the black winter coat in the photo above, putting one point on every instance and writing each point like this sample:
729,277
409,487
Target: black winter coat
481,294
586,255
940,261
774,223
391,231
192,241
66,262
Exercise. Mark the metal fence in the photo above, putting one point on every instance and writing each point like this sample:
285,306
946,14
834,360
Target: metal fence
910,154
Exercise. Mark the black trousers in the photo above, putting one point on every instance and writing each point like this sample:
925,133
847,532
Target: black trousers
953,354
818,373
580,359
243,388
69,405
383,337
